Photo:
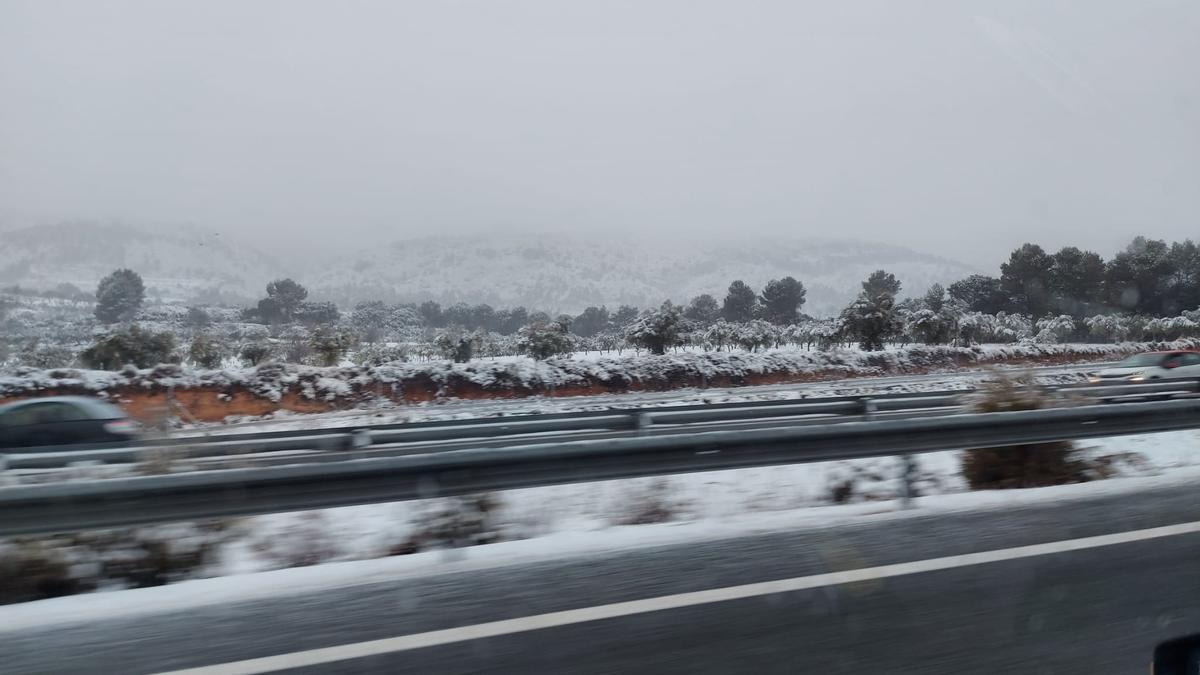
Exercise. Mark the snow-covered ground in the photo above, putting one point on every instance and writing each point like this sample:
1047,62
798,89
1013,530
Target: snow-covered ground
712,497
578,520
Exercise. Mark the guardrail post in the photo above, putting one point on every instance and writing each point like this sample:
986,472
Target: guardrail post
908,466
642,423
360,438
869,407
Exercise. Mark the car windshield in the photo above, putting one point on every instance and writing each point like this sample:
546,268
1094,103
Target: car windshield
648,336
1142,361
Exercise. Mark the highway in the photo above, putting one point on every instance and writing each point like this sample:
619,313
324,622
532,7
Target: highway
1074,604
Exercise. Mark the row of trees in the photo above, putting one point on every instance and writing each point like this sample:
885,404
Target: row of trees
1150,277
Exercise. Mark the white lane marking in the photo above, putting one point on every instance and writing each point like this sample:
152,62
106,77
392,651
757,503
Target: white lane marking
568,617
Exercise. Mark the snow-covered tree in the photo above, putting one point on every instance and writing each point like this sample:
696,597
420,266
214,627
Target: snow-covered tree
378,354
1055,329
1011,328
370,320
872,318
206,352
753,335
935,322
456,344
543,340
39,354
119,296
657,330
330,344
718,336
1108,328
975,327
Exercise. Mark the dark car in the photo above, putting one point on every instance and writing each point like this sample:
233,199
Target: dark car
64,420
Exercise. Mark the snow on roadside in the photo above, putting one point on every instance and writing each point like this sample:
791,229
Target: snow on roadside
1170,465
371,530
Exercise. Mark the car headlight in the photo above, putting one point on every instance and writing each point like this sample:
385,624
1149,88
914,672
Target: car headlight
1137,378
1092,379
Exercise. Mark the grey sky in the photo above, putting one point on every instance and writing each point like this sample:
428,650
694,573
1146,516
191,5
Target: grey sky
960,127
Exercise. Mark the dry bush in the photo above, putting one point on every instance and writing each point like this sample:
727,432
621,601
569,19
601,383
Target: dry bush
307,540
454,522
1019,466
879,479
34,568
648,504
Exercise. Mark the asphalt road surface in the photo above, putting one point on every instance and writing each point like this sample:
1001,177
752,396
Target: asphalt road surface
1082,607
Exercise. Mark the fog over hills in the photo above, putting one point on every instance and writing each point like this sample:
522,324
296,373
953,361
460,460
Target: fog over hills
552,272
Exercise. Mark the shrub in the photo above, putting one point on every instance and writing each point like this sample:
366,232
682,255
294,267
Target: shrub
454,522
649,503
1019,466
457,345
254,353
131,345
330,344
37,355
378,354
206,352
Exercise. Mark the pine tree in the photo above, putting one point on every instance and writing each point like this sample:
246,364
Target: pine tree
979,293
590,322
1025,279
739,303
285,297
703,309
881,283
872,317
119,296
782,299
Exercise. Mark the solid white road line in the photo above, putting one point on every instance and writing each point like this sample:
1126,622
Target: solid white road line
434,638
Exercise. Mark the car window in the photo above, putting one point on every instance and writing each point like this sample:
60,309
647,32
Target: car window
1189,359
1141,361
44,413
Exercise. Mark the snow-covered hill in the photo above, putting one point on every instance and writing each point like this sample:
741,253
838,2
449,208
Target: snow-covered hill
177,265
568,273
550,272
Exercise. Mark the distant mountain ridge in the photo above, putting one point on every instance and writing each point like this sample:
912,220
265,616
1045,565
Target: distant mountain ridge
570,272
175,265
540,271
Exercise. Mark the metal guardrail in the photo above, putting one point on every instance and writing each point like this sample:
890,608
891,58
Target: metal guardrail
622,419
215,494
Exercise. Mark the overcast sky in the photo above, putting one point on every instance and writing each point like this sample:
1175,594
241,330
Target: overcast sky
960,127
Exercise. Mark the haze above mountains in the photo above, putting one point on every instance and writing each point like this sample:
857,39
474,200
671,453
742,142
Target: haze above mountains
959,128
